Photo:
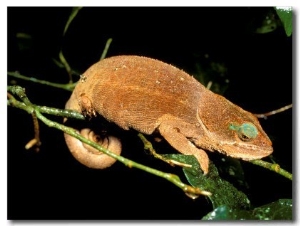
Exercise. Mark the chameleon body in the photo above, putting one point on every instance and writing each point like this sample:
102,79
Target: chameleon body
150,96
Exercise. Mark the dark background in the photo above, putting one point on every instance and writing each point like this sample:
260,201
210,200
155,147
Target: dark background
52,185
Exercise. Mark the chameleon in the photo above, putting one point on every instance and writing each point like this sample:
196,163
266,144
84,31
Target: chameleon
150,96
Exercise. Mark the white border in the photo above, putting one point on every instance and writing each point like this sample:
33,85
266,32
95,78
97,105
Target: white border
3,82
151,3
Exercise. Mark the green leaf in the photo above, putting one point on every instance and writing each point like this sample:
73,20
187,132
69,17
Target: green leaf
226,213
279,210
223,193
286,16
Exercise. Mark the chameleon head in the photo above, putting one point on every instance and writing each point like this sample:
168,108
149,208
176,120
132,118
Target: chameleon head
232,131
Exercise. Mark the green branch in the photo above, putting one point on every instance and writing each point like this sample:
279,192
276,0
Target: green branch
107,45
74,12
30,108
69,86
26,105
66,65
273,167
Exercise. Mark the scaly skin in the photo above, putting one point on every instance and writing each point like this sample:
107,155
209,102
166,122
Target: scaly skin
151,96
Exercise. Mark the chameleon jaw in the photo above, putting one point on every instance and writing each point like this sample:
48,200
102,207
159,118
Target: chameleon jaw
244,151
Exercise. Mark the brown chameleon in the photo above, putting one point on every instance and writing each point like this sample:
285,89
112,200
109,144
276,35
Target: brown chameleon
150,96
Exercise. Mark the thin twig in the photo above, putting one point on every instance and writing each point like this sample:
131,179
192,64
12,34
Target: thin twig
104,53
265,115
148,146
60,65
43,109
36,142
20,92
209,84
66,65
62,58
75,10
68,86
14,103
273,167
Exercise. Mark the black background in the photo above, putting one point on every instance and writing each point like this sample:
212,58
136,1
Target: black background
52,185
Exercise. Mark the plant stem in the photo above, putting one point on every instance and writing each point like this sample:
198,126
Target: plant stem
30,108
69,86
265,115
26,105
75,10
170,177
273,167
106,48
66,65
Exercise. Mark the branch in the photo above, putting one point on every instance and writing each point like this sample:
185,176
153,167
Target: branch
66,66
273,167
106,48
148,146
30,108
75,10
265,115
35,142
69,86
26,105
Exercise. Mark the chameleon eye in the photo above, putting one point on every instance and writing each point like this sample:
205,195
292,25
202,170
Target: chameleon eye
246,131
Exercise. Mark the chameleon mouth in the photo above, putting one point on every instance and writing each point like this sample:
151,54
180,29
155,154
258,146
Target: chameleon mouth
245,151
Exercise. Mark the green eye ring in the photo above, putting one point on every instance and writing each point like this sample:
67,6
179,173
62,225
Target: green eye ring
246,131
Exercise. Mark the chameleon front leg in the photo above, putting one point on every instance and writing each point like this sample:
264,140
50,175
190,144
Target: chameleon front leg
148,146
177,133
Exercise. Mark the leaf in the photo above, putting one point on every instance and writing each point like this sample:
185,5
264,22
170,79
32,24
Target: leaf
279,210
223,193
286,16
226,213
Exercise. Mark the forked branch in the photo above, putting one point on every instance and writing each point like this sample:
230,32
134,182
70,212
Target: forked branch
30,108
